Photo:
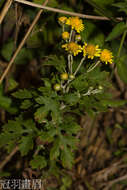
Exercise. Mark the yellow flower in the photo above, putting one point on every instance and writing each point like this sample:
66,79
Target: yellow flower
91,50
62,19
106,56
75,23
65,35
73,48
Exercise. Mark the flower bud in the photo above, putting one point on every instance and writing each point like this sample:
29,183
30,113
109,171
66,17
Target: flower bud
57,87
64,76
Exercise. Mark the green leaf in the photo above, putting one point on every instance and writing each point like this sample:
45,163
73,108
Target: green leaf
26,144
67,157
71,127
38,162
117,31
55,151
5,102
48,136
4,139
30,125
22,94
114,103
122,68
71,141
57,62
80,83
40,114
50,104
7,50
71,98
67,181
26,104
12,84
122,6
13,127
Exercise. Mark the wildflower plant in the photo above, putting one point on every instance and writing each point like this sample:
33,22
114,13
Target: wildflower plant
47,123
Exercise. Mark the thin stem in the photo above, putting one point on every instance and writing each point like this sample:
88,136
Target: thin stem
63,27
70,63
122,41
81,62
70,35
65,12
8,158
91,68
119,51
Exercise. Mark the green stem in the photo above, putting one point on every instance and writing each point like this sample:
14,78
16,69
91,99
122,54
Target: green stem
70,62
63,27
81,62
122,41
70,35
91,68
119,50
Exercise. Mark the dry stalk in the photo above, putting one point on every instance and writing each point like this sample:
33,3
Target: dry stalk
5,10
22,43
111,183
8,158
64,12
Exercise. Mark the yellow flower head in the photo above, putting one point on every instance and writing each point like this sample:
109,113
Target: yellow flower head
65,35
91,50
73,48
62,19
106,56
75,23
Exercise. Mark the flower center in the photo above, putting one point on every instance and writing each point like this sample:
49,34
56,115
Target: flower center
91,50
105,55
75,22
72,47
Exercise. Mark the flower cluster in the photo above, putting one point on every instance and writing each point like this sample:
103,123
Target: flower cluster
72,38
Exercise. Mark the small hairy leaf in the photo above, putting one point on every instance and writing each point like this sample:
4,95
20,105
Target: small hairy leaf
67,157
57,62
26,104
55,151
22,94
38,162
26,144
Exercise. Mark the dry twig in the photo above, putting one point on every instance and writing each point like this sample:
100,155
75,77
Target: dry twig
5,10
64,12
111,183
8,158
